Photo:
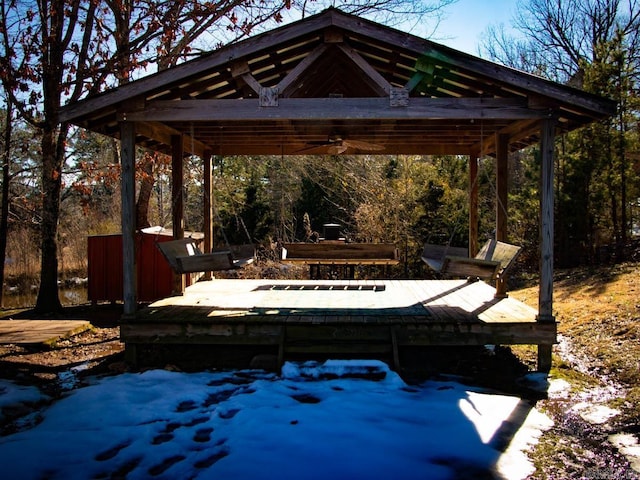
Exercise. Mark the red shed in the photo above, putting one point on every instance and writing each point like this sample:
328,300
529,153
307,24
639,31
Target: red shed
154,276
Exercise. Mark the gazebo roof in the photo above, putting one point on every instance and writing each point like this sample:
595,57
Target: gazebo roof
335,83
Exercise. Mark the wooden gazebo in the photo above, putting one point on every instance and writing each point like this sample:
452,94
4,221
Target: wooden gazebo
350,83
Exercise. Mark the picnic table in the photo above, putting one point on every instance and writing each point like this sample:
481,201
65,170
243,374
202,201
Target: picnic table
339,255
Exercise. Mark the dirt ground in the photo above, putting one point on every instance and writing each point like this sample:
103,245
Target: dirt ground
598,314
598,310
95,351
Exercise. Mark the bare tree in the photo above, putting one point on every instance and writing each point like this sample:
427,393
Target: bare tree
33,65
5,153
558,37
57,51
593,45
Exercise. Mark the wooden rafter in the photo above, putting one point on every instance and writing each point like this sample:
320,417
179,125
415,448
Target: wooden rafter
376,80
289,82
163,134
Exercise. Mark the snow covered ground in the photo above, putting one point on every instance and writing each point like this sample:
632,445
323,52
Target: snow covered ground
339,419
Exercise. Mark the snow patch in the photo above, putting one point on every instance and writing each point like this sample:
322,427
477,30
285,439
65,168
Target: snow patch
68,380
629,447
593,413
538,382
559,388
338,419
12,395
514,462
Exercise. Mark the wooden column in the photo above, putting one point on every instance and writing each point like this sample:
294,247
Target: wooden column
207,245
473,204
177,201
502,190
128,216
545,299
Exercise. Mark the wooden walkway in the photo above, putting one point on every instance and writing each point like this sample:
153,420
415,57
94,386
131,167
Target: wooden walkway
337,317
31,332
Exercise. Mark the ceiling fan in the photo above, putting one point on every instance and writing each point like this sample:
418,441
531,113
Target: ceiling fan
336,145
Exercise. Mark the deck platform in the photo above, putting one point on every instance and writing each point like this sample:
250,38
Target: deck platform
32,332
358,317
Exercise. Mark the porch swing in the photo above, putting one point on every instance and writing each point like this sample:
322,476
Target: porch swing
493,260
184,254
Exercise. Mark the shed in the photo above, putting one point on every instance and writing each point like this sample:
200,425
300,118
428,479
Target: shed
154,278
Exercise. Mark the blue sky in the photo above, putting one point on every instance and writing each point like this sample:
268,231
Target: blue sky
466,20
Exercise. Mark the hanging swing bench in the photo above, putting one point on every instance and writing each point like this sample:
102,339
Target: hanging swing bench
184,256
492,261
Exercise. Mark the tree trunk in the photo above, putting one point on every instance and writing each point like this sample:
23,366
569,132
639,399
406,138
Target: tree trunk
48,299
52,145
4,218
624,227
144,195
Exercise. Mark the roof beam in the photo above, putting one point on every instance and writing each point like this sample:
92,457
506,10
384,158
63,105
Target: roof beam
162,133
296,149
466,62
333,108
378,82
298,70
515,132
242,70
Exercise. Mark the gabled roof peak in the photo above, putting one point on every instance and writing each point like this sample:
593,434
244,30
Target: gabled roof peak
334,55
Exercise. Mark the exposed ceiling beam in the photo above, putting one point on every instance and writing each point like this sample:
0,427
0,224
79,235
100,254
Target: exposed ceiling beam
162,133
296,149
333,108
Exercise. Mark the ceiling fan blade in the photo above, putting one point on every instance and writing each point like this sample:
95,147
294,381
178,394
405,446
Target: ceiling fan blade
323,149
336,149
361,145
337,146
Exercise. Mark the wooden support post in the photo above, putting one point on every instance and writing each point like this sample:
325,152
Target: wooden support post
177,201
207,207
544,358
128,216
473,204
502,190
281,347
545,299
131,354
394,349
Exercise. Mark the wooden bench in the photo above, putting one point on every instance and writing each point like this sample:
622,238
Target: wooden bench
491,262
434,255
339,254
184,256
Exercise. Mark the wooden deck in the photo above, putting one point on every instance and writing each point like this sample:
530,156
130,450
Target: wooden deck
31,332
361,317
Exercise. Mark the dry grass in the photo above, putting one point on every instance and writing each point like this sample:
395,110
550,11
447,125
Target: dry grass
598,310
